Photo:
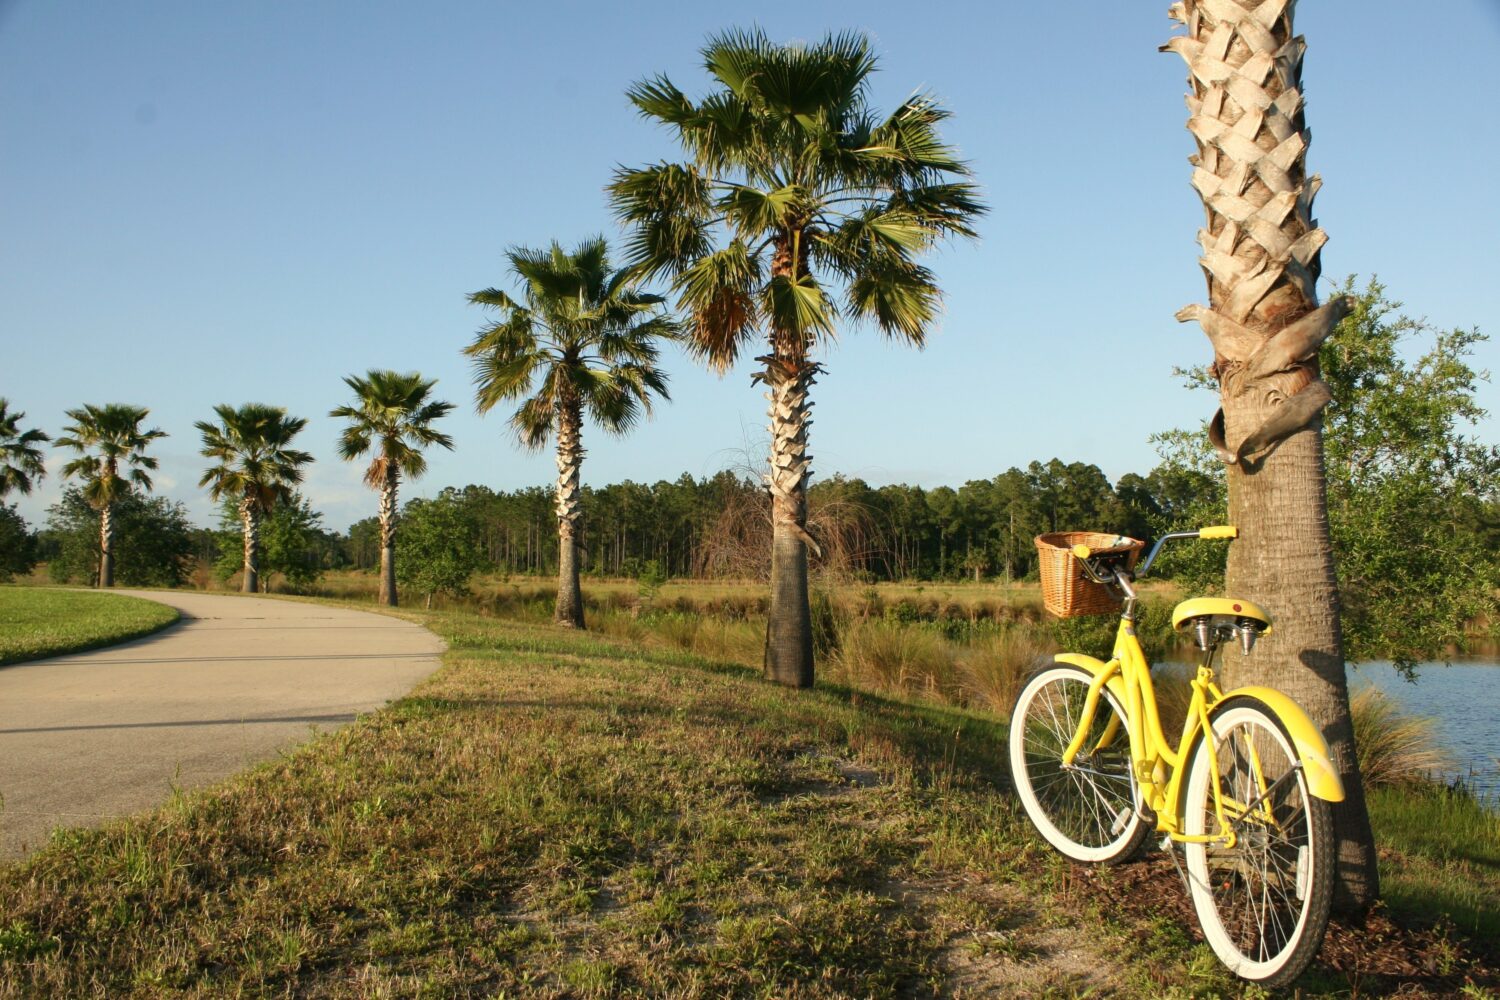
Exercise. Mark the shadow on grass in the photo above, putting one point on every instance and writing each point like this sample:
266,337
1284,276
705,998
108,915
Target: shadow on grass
940,738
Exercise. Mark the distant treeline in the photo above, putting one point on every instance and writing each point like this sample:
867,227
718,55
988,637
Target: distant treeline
718,526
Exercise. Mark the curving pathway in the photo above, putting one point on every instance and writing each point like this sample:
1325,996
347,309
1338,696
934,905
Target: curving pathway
91,736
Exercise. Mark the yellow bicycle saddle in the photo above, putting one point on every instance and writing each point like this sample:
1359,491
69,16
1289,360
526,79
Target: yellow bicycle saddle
1230,607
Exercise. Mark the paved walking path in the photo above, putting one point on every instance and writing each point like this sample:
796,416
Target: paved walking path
92,736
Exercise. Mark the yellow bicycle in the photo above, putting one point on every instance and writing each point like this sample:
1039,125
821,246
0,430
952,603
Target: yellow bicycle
1244,791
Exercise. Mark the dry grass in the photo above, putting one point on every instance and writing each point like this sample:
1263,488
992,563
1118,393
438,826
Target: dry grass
993,667
560,814
892,658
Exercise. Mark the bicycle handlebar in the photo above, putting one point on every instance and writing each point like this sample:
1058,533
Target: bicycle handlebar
1083,553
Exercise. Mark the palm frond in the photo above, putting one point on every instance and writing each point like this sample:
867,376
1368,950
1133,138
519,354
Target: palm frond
533,422
21,463
251,444
105,438
658,98
798,307
719,294
901,298
669,207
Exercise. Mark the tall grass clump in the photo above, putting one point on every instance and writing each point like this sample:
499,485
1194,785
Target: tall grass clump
1394,748
993,666
894,658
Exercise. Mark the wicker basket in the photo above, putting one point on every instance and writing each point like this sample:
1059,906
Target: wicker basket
1066,592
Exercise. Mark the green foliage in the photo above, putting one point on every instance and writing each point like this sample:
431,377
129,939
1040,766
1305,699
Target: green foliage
439,547
251,447
292,543
798,203
393,415
111,451
20,455
17,544
154,543
650,579
1413,498
583,339
361,546
1188,491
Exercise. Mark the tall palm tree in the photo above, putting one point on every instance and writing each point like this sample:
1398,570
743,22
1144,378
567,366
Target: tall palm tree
584,341
107,438
256,463
793,181
1261,258
393,415
20,458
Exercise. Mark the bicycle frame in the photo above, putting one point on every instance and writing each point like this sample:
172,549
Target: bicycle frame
1159,767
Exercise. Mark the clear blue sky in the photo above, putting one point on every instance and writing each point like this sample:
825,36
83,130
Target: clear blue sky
223,202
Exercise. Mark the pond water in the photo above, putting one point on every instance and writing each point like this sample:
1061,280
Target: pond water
1464,698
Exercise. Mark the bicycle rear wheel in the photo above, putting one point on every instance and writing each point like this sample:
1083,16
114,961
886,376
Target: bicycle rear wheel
1089,811
1263,903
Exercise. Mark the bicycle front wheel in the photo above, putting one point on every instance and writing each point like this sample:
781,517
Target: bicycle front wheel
1090,810
1263,903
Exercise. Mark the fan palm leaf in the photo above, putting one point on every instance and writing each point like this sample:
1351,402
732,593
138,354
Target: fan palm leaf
20,457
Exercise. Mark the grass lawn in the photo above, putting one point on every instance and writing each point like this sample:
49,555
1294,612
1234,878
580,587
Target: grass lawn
557,814
1440,853
38,622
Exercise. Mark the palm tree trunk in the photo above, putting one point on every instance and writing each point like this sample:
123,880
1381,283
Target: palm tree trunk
1260,255
789,646
107,546
569,610
388,518
250,516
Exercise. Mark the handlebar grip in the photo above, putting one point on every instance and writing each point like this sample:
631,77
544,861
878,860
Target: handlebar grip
1082,551
1219,531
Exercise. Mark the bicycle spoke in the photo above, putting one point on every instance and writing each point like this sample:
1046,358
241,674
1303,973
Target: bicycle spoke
1079,807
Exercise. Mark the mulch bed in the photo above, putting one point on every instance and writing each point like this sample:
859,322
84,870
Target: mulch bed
1378,956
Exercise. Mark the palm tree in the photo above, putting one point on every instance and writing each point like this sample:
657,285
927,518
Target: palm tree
107,437
585,341
256,463
793,178
1261,258
20,458
393,415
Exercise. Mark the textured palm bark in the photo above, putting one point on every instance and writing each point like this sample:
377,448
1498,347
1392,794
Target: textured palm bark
1261,259
388,519
789,646
107,546
250,517
569,610
789,376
